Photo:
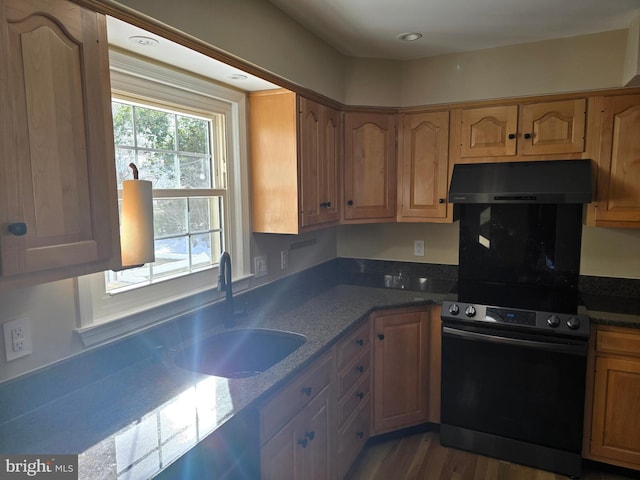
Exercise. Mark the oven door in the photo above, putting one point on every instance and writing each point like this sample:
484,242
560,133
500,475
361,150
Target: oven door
529,388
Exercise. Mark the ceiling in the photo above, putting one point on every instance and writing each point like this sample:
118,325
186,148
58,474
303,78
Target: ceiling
369,28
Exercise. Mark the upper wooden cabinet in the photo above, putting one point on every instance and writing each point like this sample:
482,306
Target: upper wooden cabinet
618,194
423,166
59,214
369,166
296,150
518,131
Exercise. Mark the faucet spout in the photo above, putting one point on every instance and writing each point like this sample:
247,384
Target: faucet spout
224,283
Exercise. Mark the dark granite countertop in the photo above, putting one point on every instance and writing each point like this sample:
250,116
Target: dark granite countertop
138,420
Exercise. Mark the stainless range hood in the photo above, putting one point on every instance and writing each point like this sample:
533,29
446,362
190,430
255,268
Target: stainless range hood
555,181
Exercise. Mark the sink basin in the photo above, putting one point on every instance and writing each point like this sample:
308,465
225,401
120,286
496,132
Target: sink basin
239,353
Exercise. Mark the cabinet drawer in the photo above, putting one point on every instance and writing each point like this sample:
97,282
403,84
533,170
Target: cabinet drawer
353,345
286,403
352,437
352,373
356,396
620,342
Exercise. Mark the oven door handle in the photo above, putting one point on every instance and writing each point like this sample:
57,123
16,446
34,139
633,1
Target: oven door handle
549,346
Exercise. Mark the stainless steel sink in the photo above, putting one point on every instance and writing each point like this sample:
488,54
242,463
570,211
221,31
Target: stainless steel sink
239,353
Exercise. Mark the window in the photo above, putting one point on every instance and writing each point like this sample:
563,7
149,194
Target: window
182,154
187,135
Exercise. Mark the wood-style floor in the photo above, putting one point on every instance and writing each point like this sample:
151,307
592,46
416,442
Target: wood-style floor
421,457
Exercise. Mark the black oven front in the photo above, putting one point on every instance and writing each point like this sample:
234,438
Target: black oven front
513,384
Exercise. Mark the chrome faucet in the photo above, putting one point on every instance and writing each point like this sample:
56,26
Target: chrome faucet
224,283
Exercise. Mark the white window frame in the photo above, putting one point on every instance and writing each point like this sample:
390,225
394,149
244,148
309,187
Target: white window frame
103,316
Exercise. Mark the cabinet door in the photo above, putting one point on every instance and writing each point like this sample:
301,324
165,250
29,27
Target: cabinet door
553,127
423,161
57,174
489,131
315,438
369,166
619,165
310,140
616,419
400,352
278,457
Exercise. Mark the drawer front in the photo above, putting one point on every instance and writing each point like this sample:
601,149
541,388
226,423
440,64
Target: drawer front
353,345
285,404
618,342
357,396
352,437
354,372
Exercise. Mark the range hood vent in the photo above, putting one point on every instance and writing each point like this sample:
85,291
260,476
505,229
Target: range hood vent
555,181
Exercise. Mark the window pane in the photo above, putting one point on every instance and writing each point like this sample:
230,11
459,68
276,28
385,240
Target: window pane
193,135
122,123
160,168
195,172
126,278
204,214
172,257
155,129
124,156
201,250
169,216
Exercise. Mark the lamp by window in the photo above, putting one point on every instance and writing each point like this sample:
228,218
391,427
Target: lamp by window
136,222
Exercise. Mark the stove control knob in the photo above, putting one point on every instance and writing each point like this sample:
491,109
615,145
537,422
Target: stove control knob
573,323
553,321
470,311
454,309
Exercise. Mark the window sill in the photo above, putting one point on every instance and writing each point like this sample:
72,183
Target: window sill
105,330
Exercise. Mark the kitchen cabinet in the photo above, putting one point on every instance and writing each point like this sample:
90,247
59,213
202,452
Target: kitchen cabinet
618,196
297,426
423,166
354,398
614,417
296,152
59,211
400,368
518,131
369,167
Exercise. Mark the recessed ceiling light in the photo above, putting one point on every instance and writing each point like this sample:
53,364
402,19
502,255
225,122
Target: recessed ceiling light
144,41
410,36
238,76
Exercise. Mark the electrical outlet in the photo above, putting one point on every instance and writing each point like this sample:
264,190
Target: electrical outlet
284,260
17,338
418,248
260,266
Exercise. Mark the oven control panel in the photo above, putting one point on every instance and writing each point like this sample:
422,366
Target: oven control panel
564,324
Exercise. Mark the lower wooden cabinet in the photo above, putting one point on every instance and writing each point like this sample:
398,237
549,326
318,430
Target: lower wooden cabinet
298,426
401,368
615,414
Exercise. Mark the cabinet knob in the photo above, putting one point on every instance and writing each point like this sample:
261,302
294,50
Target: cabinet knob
307,391
303,442
512,136
18,229
328,204
360,434
527,136
310,435
360,369
360,342
381,336
350,202
441,200
323,204
360,395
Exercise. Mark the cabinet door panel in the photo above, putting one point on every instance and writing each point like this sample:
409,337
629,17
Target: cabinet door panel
58,177
310,162
619,165
553,127
486,131
616,421
424,165
370,166
331,164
